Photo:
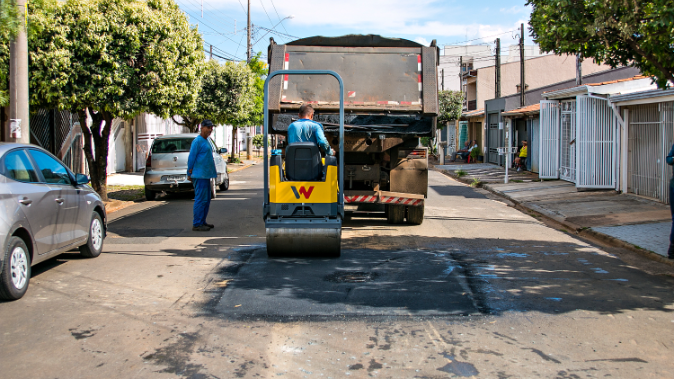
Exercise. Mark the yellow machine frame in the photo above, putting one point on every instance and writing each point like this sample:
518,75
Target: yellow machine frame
285,192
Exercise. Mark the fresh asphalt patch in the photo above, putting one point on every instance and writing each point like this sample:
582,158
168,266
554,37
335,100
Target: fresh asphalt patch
362,282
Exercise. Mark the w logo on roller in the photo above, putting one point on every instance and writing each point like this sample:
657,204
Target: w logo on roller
302,191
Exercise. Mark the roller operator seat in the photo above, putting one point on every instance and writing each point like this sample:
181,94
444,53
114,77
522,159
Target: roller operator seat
303,162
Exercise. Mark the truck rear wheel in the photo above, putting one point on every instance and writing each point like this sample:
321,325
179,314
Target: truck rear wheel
395,214
415,215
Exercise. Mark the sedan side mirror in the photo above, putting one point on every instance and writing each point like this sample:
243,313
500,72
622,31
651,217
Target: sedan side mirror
223,150
81,179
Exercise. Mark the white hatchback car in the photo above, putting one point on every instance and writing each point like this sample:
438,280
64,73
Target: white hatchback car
166,166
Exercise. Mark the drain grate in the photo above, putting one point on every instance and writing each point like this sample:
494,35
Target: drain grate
351,277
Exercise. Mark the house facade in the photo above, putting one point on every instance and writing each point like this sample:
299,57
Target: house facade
646,137
480,84
580,133
526,121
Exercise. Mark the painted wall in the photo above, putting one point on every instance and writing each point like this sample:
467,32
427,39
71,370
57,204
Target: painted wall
538,72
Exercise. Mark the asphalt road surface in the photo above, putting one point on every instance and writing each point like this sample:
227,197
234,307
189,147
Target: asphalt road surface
480,289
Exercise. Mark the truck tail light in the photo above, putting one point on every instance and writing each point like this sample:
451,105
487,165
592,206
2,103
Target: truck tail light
420,153
148,162
413,154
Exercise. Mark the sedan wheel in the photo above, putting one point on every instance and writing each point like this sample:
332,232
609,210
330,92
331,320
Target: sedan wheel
15,275
94,244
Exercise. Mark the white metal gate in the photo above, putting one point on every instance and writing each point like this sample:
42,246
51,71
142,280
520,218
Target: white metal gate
535,143
549,137
595,143
567,164
651,135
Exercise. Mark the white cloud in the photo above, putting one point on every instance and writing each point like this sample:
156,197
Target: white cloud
389,18
421,40
517,9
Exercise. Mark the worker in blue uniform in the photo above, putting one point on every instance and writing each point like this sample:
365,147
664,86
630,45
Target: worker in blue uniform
670,161
307,130
200,170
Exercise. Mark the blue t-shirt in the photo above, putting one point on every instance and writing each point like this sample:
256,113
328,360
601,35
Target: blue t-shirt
306,130
201,161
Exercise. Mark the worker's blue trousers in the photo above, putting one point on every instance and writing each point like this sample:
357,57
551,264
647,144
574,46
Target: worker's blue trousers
202,200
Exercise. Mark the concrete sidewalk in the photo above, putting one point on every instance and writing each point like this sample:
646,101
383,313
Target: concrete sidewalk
631,221
639,223
487,172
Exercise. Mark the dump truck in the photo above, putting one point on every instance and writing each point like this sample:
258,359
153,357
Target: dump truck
390,102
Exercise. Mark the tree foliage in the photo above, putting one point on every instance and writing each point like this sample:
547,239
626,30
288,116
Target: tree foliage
10,22
226,94
114,59
450,105
615,32
261,71
258,140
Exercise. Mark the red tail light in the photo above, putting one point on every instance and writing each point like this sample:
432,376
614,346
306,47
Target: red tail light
148,162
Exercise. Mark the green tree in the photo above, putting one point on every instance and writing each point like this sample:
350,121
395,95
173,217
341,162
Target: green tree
114,59
260,69
226,93
616,32
10,21
258,140
450,105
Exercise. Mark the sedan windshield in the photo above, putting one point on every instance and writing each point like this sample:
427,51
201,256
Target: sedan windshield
171,145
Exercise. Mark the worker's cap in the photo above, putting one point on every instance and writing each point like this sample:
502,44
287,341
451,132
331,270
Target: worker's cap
207,124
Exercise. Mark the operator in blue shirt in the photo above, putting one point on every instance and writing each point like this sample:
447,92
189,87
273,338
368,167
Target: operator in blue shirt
200,170
670,161
307,130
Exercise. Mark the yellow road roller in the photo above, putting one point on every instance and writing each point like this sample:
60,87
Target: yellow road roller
303,193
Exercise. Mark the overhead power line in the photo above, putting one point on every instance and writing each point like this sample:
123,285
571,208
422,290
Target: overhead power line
196,5
212,28
278,15
476,39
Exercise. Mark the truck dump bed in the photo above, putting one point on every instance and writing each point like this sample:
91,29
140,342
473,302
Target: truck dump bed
387,76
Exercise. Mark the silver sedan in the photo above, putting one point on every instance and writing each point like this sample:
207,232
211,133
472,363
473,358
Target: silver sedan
166,166
45,210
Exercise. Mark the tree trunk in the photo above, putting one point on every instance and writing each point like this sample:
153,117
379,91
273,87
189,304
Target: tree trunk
231,154
96,141
190,123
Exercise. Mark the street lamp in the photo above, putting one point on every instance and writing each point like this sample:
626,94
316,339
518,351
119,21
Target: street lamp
272,28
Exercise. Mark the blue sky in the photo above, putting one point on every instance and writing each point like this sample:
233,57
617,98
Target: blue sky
450,22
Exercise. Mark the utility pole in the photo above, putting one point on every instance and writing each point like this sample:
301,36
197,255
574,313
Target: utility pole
461,77
18,128
498,68
579,70
248,47
522,84
211,49
443,79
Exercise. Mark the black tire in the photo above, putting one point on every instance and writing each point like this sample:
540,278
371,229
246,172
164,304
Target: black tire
94,244
415,215
15,274
396,214
214,189
150,195
224,186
